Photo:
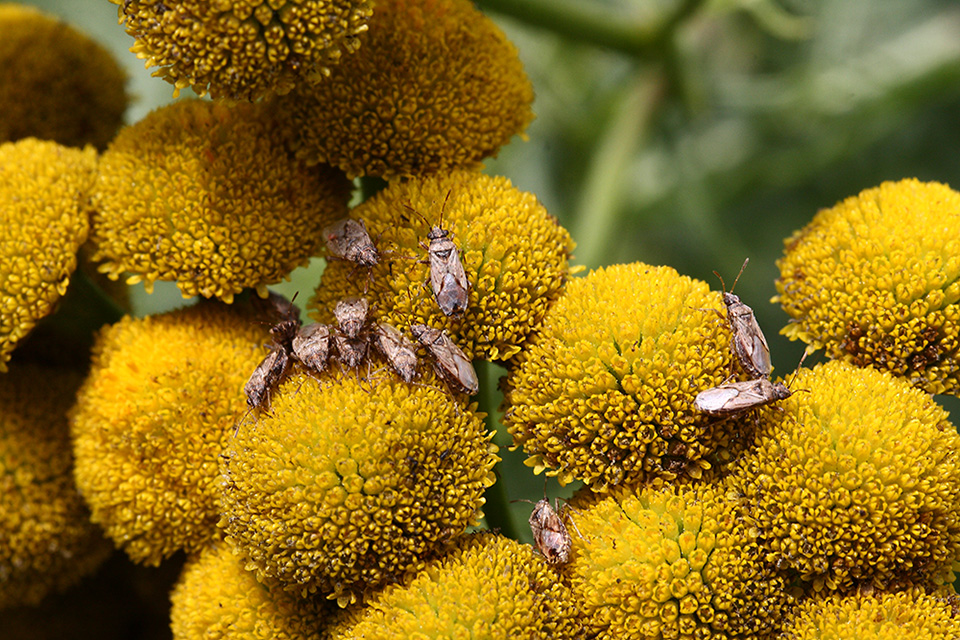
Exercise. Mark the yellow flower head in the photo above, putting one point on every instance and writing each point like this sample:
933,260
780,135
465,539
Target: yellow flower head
203,194
856,478
435,85
348,484
48,542
242,49
42,224
163,396
55,82
605,392
487,586
513,253
216,598
876,281
673,562
912,614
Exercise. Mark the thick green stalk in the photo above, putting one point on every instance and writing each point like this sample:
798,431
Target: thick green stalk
497,507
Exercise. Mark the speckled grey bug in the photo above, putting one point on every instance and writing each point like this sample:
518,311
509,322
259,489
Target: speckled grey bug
351,340
448,279
399,350
311,346
737,397
449,361
349,240
748,343
550,535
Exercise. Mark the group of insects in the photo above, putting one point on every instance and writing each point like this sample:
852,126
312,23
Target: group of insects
352,337
750,347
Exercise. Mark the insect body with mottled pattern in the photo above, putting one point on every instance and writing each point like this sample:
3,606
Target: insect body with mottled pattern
748,343
550,535
737,397
449,361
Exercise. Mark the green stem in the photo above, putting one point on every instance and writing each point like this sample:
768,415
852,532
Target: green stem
595,23
497,507
596,219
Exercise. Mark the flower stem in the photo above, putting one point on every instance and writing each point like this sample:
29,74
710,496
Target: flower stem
497,508
594,23
597,214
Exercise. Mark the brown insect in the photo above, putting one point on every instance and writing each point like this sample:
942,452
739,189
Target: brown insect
311,346
349,240
447,277
399,351
736,397
550,535
271,370
449,361
351,315
749,344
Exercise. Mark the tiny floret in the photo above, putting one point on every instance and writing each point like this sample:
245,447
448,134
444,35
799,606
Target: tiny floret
243,49
486,586
912,613
216,597
351,483
673,562
435,85
55,82
47,541
163,396
203,194
515,257
604,392
43,186
875,281
855,480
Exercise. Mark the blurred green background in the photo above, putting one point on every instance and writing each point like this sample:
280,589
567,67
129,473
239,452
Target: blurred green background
694,134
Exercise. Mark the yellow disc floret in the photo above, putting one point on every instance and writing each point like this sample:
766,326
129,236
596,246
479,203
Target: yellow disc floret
673,562
487,586
435,85
42,190
203,194
876,281
242,49
348,485
163,396
217,599
55,82
48,541
605,391
910,614
856,479
513,253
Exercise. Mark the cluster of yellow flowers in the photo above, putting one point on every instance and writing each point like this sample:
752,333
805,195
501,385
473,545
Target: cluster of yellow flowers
342,506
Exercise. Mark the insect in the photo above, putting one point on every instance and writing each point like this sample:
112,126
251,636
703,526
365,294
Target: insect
349,240
749,344
351,315
399,351
550,535
449,361
311,346
736,397
274,366
447,276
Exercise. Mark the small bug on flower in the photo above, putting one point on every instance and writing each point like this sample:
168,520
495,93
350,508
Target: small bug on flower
311,346
449,361
736,397
351,340
448,279
399,350
749,344
349,240
274,366
550,535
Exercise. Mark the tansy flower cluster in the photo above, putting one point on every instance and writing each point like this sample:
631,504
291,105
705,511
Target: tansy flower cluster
316,488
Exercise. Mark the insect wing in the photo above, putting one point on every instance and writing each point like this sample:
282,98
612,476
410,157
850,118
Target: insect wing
349,240
265,377
749,343
351,315
448,360
311,346
737,397
447,276
398,350
550,535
